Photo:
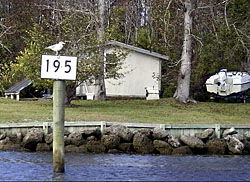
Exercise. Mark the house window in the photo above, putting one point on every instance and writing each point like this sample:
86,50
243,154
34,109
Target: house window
110,65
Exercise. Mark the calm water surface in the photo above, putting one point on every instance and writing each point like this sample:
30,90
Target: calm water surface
24,166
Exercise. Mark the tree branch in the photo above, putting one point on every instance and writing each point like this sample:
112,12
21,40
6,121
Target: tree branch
197,38
5,47
211,6
225,15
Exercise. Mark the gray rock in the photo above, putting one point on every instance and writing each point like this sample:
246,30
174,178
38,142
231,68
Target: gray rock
32,138
162,147
206,134
92,138
145,131
234,145
74,138
174,141
192,142
114,151
110,141
238,136
70,148
119,130
5,141
230,131
216,146
246,149
15,137
66,133
91,132
247,135
126,147
82,149
142,143
51,146
24,132
73,148
48,138
159,134
3,135
41,147
183,150
11,147
95,146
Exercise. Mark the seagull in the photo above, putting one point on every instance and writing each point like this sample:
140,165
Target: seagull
56,47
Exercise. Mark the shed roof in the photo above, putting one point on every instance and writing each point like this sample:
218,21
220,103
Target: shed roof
143,51
19,86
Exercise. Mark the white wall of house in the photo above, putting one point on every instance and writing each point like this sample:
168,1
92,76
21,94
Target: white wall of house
139,69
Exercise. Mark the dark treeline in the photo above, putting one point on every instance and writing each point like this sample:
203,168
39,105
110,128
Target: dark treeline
220,35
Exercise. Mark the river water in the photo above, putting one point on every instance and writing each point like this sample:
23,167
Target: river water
26,166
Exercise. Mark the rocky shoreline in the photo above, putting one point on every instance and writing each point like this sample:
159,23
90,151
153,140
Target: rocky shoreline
120,139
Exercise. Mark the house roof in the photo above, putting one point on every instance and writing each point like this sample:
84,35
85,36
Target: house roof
143,51
18,86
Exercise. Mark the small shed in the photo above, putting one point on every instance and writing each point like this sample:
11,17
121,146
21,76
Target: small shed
142,68
15,90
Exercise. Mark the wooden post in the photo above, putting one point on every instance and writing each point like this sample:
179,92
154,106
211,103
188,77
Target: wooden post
217,130
103,127
17,97
46,126
58,125
162,126
59,68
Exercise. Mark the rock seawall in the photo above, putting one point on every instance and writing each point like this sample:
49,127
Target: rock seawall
120,139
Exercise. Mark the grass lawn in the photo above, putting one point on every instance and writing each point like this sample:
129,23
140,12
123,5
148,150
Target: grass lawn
164,111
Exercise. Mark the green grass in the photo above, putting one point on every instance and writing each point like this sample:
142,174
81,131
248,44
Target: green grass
165,111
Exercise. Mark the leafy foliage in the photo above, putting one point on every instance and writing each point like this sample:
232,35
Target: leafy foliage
80,42
220,33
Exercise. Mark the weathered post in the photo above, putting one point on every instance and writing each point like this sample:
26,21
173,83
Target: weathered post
59,68
58,125
217,130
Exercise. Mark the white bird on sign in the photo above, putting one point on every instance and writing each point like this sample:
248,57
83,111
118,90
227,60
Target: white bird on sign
56,47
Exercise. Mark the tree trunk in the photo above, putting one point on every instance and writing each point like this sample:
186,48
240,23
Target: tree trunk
100,91
70,93
183,87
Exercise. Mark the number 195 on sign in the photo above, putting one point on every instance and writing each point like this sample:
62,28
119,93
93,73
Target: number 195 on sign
58,67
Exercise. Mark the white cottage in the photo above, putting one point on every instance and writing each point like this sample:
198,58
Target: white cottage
142,68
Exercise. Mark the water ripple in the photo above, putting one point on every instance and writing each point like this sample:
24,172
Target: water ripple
25,166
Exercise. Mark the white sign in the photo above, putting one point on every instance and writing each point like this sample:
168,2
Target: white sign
58,67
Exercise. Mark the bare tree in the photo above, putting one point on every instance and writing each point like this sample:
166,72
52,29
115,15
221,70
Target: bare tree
4,29
183,87
100,91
